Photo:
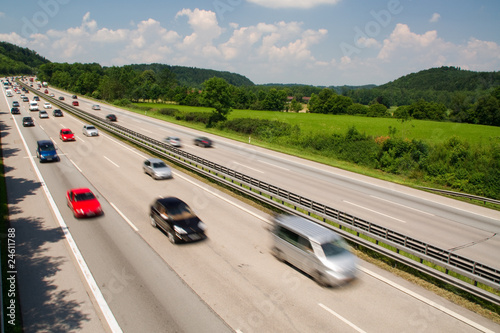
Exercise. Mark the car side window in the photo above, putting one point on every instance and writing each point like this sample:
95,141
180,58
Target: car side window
146,163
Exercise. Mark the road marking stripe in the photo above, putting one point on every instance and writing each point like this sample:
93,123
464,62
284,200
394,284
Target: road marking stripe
243,165
341,318
427,301
110,161
374,211
124,217
398,204
96,292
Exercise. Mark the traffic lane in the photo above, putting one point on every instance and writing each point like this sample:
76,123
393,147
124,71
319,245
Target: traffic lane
227,261
52,295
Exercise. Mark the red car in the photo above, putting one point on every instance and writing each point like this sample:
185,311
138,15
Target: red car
66,135
75,103
83,203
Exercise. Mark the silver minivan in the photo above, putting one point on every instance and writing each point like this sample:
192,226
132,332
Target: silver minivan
313,249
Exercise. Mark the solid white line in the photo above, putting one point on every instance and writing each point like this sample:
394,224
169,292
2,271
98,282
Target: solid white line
427,301
96,292
341,318
110,161
124,217
408,207
374,211
274,165
243,165
222,198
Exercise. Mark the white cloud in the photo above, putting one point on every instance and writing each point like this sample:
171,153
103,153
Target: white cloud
435,17
293,3
14,38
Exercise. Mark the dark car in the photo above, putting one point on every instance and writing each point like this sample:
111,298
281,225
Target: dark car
46,151
74,97
203,142
61,98
15,110
15,104
28,121
25,99
111,117
177,219
57,113
36,98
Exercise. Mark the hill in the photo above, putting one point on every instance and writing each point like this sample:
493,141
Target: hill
194,77
18,60
449,79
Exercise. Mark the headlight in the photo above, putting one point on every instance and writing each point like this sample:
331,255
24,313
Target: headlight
202,226
179,230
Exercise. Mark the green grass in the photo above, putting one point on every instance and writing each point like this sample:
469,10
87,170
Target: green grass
429,131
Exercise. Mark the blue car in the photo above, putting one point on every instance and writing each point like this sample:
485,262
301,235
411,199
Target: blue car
46,151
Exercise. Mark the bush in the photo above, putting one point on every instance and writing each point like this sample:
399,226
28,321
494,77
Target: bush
168,112
122,102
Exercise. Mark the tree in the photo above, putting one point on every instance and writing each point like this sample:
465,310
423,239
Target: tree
217,94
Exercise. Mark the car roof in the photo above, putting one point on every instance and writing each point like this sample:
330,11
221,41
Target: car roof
80,190
312,230
170,201
45,142
154,160
65,129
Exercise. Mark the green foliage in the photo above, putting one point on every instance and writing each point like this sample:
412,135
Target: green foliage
15,60
327,101
261,128
217,94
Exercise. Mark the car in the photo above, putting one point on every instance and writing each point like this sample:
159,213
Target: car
43,114
83,203
36,98
25,99
74,97
28,121
33,106
47,105
65,134
57,113
46,151
177,219
46,91
173,141
156,168
15,110
96,107
75,103
15,104
202,141
61,98
51,95
90,130
111,117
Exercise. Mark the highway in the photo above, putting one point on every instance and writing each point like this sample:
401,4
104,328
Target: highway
229,281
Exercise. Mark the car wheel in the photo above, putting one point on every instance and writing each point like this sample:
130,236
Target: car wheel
171,237
153,222
320,279
279,255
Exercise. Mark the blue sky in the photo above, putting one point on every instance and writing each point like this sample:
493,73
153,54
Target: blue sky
317,42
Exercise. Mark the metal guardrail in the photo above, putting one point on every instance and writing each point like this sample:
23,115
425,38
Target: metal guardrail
462,195
349,226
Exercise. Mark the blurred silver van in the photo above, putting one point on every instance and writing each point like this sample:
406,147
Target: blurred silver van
313,249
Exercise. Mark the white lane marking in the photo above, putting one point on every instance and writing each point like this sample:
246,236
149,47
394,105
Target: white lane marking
274,165
222,198
243,165
341,318
110,161
79,138
426,301
374,211
96,292
76,166
407,207
145,130
124,217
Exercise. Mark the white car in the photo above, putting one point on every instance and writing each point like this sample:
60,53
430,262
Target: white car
47,105
90,130
96,107
173,141
43,114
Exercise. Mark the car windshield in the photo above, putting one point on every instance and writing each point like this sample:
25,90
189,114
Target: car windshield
90,127
157,165
334,248
180,212
84,196
66,132
46,147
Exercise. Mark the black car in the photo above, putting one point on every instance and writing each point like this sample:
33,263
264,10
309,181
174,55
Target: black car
28,121
57,113
74,97
36,98
178,220
25,99
15,111
111,117
203,142
61,98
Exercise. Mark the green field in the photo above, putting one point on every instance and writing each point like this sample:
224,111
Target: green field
430,131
